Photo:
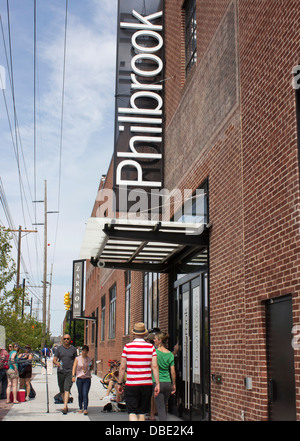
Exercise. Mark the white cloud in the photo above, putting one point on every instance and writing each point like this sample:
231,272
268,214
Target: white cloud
87,130
89,83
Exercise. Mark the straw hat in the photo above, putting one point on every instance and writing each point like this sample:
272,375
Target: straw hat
140,329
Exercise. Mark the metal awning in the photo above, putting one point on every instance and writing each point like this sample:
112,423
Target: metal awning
142,245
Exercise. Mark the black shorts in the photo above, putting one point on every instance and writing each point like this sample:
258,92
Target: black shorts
138,399
64,381
27,373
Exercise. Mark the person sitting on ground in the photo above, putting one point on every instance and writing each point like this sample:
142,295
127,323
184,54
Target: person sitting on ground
112,383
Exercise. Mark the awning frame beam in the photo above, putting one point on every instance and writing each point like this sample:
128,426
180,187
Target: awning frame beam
157,236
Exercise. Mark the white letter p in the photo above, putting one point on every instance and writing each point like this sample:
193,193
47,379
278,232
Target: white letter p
2,78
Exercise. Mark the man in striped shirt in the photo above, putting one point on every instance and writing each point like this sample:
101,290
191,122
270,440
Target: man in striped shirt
139,357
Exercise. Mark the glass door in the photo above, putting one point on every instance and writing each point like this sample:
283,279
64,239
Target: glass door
193,356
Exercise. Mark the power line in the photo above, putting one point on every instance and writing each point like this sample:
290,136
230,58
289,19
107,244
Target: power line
62,105
11,224
34,106
13,92
17,132
61,124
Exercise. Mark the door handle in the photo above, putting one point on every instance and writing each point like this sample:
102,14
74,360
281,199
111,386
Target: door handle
271,391
188,379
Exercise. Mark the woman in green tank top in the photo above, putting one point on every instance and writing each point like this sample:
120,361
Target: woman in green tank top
167,376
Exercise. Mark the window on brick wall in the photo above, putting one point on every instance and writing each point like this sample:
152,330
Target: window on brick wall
151,300
190,21
297,93
112,312
102,330
127,301
94,327
195,208
86,332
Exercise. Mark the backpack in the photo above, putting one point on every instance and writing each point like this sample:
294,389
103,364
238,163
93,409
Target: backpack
3,360
21,366
107,408
58,399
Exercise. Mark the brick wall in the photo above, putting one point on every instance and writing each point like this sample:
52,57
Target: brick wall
269,48
233,122
250,158
98,283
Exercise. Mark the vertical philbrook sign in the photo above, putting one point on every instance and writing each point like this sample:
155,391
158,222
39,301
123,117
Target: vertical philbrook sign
78,288
138,151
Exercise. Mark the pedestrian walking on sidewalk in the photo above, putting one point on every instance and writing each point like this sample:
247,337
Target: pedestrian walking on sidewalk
12,375
167,375
64,359
139,357
3,369
25,376
81,371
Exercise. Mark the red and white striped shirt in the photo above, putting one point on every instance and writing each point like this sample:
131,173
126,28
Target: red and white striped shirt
138,356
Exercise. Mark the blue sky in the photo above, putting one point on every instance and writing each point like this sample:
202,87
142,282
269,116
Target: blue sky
88,129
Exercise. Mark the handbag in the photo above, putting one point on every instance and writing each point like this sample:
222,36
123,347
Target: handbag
23,362
21,367
32,392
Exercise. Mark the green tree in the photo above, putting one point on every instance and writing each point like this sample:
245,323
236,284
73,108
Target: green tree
78,337
20,328
7,265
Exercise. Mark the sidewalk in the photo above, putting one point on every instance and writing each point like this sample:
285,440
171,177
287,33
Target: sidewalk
36,409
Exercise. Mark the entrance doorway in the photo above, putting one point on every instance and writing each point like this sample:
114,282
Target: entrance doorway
281,375
192,365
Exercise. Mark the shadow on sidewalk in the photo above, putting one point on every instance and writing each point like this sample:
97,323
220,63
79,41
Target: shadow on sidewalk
4,408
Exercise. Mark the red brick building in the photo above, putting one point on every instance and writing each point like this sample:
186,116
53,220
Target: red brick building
230,128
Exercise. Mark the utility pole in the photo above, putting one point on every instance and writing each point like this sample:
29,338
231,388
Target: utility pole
23,297
45,260
50,285
20,231
19,257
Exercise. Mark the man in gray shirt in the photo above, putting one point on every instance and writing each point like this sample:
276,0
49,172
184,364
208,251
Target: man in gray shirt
64,359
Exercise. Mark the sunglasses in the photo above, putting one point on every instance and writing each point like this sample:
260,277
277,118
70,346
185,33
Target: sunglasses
66,339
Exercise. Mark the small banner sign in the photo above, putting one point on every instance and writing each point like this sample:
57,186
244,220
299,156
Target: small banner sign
78,288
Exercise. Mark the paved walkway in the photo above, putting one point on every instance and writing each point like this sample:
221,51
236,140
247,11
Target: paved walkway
37,410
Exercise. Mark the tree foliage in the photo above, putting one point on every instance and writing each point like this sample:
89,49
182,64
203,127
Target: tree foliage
76,331
19,326
7,265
